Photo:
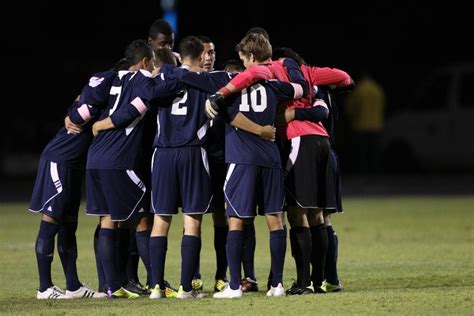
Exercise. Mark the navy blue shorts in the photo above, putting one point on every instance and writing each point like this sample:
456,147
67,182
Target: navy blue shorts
57,191
248,186
218,172
180,178
118,193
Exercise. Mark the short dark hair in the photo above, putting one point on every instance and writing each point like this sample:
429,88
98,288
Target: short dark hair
122,64
285,52
258,30
137,50
165,56
234,65
160,26
204,39
191,47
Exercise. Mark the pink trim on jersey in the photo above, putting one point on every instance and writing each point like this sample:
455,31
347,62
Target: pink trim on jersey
83,111
320,102
139,105
298,90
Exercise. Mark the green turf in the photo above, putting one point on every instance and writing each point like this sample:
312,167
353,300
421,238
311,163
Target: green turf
397,255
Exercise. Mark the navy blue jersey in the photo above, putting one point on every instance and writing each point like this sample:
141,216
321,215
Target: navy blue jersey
71,149
183,122
130,94
259,104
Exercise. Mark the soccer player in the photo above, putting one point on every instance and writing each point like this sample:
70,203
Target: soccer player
254,175
114,186
57,194
308,245
209,55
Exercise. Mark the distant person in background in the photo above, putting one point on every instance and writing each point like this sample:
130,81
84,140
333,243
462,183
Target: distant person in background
365,108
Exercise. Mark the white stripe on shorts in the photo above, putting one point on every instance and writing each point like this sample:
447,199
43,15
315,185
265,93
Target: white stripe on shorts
295,147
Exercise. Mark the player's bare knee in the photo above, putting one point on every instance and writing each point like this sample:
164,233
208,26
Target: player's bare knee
192,225
143,224
106,222
236,223
161,225
315,217
49,219
274,221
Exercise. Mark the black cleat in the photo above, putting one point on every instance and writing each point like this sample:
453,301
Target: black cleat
137,288
296,289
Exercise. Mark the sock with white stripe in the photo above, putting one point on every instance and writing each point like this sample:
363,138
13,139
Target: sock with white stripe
44,253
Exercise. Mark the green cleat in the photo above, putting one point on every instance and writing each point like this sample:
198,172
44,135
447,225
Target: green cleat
157,292
122,293
331,288
197,284
220,285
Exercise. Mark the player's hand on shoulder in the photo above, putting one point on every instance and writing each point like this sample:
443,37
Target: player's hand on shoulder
210,111
71,127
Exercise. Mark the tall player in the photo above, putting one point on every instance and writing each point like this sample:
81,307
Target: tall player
57,193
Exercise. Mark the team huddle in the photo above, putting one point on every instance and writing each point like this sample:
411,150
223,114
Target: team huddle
252,139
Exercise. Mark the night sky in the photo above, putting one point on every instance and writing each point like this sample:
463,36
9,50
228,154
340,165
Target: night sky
49,56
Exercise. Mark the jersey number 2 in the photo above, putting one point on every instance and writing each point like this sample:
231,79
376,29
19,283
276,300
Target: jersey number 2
176,109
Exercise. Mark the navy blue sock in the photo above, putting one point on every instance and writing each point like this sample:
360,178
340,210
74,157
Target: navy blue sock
100,269
197,269
142,242
220,238
108,257
190,246
301,245
44,253
158,247
278,251
249,243
67,249
234,248
330,272
134,257
318,254
122,244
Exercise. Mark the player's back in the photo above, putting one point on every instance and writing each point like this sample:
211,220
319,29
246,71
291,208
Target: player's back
182,122
259,104
119,148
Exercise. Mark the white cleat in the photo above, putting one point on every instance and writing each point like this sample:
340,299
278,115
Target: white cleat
229,293
156,292
52,293
85,292
276,291
191,294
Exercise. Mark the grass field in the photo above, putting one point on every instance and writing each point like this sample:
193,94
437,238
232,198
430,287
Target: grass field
397,255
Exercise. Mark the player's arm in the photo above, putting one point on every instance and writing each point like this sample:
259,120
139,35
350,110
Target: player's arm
246,78
317,113
295,74
208,82
150,88
70,126
242,122
333,78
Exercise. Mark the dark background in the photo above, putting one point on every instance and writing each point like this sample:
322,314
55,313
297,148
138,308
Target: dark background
51,50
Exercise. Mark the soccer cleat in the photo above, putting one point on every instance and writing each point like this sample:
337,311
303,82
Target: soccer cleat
249,285
85,292
276,291
331,288
296,289
170,292
197,284
52,293
191,294
220,285
229,293
121,293
136,287
157,292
